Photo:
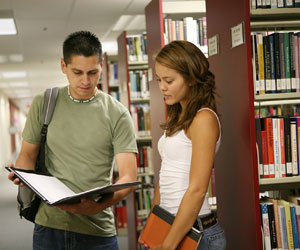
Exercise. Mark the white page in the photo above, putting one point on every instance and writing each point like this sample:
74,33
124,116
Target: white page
48,186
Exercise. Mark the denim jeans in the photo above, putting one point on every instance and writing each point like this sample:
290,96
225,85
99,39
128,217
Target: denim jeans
213,238
45,238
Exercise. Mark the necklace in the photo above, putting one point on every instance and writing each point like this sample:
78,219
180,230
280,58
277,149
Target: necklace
81,100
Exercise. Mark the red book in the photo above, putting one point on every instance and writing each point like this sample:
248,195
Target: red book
269,129
265,153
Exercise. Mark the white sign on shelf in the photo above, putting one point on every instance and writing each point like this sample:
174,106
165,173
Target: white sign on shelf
237,35
213,45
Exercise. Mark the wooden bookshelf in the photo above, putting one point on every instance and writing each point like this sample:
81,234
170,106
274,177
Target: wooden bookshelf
236,163
124,67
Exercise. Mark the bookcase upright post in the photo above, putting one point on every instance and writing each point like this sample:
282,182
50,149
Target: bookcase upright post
105,81
236,163
123,76
155,37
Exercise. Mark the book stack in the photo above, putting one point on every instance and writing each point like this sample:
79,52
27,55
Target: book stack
189,29
278,141
139,84
267,4
137,47
141,118
276,60
281,223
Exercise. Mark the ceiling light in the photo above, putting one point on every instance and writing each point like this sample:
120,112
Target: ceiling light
3,59
14,74
122,22
16,58
4,85
138,22
18,84
7,23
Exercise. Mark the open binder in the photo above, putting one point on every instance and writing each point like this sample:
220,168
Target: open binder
53,192
157,227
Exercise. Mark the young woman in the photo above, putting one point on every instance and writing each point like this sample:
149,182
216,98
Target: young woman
192,136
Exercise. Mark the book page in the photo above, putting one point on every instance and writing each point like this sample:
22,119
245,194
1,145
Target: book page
48,186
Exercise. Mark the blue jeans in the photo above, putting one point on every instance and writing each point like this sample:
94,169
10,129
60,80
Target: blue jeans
213,238
45,238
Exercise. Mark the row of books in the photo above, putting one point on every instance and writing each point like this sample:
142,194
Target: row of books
139,84
137,47
266,4
189,29
144,198
280,222
144,160
278,144
276,60
140,114
278,110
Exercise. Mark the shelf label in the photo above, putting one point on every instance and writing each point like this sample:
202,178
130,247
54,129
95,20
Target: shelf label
237,35
213,45
150,75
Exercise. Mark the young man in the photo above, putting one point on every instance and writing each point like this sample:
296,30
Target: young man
88,129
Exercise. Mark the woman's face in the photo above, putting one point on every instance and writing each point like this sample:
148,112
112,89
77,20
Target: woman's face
172,85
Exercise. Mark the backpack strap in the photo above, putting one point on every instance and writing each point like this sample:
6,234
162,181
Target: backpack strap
49,105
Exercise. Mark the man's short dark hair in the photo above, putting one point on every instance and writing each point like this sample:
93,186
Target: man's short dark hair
83,43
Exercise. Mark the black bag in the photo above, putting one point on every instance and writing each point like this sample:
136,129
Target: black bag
28,202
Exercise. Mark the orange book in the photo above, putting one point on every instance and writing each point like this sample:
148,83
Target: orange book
157,227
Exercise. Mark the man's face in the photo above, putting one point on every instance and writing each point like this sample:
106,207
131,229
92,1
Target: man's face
83,74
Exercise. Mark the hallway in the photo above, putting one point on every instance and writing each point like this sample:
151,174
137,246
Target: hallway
15,233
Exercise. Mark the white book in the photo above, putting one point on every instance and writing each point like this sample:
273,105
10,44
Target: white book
53,192
276,147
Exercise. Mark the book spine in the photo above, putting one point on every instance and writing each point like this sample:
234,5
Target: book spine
272,226
277,62
287,145
287,62
294,227
269,129
282,62
282,160
265,158
267,66
281,211
260,51
272,63
292,62
277,224
294,145
266,227
275,130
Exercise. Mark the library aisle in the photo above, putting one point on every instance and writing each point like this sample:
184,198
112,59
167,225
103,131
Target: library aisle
15,233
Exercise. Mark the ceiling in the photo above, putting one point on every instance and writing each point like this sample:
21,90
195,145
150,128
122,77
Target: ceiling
42,26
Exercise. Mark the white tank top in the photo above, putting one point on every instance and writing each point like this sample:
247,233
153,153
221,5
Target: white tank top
176,155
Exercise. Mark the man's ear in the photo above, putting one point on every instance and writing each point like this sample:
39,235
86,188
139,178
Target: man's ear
63,65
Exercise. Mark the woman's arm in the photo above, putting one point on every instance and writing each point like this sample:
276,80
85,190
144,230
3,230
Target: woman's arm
204,133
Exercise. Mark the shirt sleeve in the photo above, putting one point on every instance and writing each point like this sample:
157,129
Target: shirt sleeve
33,125
123,135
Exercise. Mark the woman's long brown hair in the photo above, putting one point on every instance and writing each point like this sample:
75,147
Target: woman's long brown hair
188,60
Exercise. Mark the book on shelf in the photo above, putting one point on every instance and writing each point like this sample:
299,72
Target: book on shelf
54,192
278,141
275,58
273,4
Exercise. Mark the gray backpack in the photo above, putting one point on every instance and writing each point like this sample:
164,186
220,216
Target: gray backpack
28,201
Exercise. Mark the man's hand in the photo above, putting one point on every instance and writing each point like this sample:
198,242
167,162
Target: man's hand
87,206
12,177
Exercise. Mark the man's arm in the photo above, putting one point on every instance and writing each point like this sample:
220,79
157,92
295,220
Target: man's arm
126,163
26,159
